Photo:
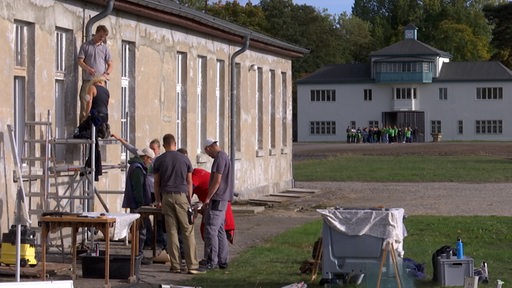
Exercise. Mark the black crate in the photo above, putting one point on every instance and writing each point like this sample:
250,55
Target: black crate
94,266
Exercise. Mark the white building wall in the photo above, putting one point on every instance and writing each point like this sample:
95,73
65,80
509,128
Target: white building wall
461,104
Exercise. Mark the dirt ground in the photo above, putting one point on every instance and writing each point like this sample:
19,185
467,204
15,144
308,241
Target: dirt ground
415,198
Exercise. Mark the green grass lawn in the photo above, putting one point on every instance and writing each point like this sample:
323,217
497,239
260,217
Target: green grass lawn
486,238
405,169
277,263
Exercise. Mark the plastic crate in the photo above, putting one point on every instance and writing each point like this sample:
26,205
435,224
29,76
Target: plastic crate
94,266
453,271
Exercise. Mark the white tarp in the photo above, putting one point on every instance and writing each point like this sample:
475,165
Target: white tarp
122,225
382,223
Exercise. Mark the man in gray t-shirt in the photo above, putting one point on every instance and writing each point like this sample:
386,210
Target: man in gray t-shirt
173,193
220,192
95,60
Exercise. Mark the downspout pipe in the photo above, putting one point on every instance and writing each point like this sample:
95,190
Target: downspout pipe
234,99
88,32
88,27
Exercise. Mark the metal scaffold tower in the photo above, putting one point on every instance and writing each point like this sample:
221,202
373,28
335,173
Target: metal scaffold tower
50,184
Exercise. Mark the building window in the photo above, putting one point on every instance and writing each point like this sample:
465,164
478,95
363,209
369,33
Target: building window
219,93
181,99
436,126
64,77
20,45
405,93
284,110
373,124
24,84
367,94
259,108
127,94
322,127
60,51
20,95
443,93
202,104
489,127
352,125
272,108
489,93
323,95
460,127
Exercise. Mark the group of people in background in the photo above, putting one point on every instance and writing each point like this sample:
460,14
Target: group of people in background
166,180
386,134
169,182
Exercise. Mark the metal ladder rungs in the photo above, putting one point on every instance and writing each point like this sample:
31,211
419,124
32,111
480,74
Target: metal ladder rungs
32,177
38,141
35,211
41,158
34,123
70,141
35,194
68,197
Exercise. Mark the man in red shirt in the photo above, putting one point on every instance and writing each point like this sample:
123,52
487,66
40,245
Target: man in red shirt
200,180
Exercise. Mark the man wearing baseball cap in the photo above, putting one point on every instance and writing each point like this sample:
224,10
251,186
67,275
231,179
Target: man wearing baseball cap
137,191
220,192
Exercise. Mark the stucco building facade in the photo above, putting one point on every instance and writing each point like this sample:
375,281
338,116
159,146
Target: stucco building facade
174,72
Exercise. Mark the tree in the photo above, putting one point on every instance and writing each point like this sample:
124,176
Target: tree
307,27
194,4
459,40
249,16
500,16
357,41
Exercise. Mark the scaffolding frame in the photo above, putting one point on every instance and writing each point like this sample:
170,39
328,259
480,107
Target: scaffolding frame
50,186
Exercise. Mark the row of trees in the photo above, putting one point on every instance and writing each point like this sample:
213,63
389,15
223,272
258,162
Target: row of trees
471,30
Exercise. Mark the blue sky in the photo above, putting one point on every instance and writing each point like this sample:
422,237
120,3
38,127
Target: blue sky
333,6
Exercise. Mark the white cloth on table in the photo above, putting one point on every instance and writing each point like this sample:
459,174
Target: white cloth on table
122,224
382,223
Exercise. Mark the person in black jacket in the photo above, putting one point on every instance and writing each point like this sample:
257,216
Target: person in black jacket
137,192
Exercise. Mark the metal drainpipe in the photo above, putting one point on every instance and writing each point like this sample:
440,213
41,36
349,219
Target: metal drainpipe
88,34
88,27
233,106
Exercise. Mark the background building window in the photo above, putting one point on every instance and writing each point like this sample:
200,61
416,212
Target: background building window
323,95
322,127
405,93
489,93
460,127
367,94
373,124
443,93
436,126
489,127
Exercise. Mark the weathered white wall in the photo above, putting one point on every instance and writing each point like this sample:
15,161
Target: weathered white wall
156,45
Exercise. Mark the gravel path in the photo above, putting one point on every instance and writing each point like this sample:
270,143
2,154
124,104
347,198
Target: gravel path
416,198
